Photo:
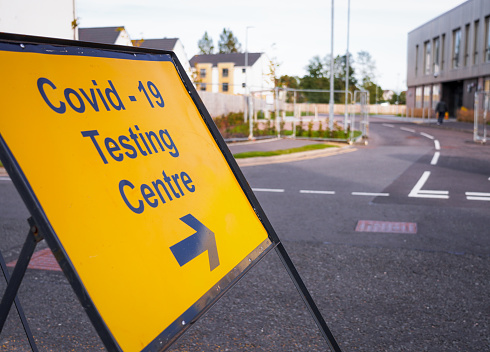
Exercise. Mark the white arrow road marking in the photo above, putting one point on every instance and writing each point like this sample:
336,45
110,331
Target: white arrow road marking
478,196
417,191
435,158
427,135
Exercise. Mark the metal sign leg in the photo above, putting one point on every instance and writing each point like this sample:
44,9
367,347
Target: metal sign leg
308,300
13,283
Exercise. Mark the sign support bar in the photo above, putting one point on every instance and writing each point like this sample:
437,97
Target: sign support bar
13,283
307,299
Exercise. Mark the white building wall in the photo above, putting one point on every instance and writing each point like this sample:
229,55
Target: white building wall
123,38
215,80
45,18
182,56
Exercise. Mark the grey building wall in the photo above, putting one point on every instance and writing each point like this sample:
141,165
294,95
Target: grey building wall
456,80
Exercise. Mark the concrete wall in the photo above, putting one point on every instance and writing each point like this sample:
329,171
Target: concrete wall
219,104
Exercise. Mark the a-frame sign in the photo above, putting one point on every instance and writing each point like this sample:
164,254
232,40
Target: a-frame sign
118,162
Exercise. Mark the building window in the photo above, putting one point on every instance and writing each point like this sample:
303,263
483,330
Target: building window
436,57
436,95
244,70
416,60
427,49
225,87
456,47
224,73
418,97
427,91
202,72
475,42
443,46
203,87
467,44
243,85
487,39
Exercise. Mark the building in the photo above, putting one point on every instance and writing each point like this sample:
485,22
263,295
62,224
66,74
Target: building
47,18
231,73
105,35
449,58
169,44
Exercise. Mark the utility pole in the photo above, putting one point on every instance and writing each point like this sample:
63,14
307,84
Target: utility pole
330,120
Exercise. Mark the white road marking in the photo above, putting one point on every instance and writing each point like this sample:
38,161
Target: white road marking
417,191
407,129
435,158
5,178
427,135
276,190
388,125
478,196
370,194
437,145
316,192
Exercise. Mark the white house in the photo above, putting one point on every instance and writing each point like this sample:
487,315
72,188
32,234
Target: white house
170,44
46,18
232,73
105,35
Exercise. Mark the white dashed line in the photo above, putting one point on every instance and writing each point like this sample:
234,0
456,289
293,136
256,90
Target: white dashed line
407,129
316,192
388,125
435,158
370,194
437,145
274,190
418,192
478,196
5,178
427,135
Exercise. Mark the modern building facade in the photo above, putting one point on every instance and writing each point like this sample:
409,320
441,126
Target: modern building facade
449,58
232,73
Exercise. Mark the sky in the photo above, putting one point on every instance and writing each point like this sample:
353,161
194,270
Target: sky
289,32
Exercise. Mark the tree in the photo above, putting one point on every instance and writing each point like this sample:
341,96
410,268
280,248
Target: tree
228,43
366,68
205,44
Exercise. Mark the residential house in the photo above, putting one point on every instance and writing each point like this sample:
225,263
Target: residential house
105,35
232,73
169,44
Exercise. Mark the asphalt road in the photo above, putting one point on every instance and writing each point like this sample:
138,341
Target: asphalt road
426,290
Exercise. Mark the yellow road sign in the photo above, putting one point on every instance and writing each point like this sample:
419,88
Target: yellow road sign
138,195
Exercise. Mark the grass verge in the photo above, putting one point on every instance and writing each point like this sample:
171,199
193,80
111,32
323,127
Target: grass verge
283,151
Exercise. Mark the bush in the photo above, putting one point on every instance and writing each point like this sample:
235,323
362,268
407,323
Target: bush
465,115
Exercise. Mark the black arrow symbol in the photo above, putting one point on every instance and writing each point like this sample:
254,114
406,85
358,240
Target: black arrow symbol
203,240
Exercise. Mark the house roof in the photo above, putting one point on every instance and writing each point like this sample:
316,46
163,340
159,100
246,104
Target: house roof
161,44
237,58
105,35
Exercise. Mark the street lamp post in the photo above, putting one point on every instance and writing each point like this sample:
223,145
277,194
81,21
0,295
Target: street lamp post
347,67
247,90
330,122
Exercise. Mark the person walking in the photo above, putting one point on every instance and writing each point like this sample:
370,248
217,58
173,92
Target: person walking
441,109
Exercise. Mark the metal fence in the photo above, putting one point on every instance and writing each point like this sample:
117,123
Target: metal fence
482,106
